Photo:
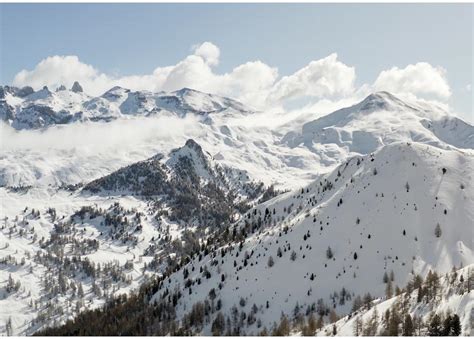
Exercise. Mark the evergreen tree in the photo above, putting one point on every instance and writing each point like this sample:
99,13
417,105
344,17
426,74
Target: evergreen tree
438,231
446,326
271,262
389,290
394,322
408,329
329,253
293,256
357,303
455,326
385,277
218,325
434,329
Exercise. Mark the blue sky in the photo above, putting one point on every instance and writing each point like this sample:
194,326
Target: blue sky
130,39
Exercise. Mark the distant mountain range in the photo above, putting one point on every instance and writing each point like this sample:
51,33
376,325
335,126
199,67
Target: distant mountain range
24,108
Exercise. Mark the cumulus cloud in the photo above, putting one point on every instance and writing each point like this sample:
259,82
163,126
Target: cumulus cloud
249,82
326,77
420,79
254,83
56,70
209,52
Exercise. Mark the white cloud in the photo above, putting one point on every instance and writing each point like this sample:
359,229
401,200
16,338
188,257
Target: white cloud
468,87
420,79
56,70
254,83
326,77
247,82
209,52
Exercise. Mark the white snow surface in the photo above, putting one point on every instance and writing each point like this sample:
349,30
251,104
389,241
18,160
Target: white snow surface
385,210
408,142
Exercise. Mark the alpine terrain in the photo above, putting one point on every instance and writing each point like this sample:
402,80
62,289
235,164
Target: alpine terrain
187,213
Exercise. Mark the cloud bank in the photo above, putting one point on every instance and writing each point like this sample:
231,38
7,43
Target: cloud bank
420,79
254,83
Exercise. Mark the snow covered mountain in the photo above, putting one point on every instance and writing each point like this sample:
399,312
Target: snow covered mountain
190,184
378,120
127,223
177,185
405,208
26,109
286,154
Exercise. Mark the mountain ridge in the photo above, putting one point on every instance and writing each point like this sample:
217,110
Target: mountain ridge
28,109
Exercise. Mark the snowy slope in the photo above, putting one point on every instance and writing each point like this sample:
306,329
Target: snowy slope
378,227
113,222
37,166
453,297
381,119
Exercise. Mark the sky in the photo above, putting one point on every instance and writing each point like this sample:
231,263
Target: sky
262,54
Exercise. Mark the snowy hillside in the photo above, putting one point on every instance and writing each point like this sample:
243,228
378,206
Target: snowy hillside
377,214
81,246
26,109
454,295
179,198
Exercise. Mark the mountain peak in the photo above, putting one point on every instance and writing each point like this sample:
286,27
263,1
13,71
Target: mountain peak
76,87
193,144
384,101
186,90
190,159
191,148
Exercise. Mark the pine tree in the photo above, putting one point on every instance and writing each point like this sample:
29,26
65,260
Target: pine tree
357,303
446,326
389,290
455,326
8,327
319,323
438,231
418,324
385,277
293,256
284,327
357,326
408,326
329,253
218,325
370,328
312,325
271,262
394,322
434,329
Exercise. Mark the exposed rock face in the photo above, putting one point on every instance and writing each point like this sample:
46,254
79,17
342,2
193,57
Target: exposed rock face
76,87
25,91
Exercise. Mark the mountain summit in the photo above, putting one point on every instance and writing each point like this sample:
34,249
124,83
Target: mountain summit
380,119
